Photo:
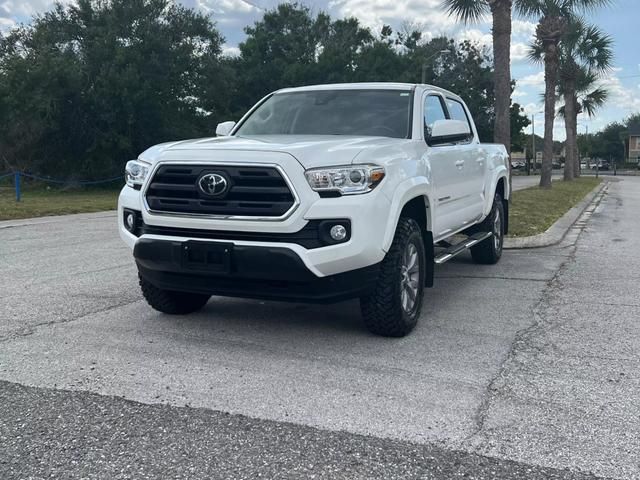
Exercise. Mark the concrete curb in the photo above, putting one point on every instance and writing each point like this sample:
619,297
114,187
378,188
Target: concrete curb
556,233
25,222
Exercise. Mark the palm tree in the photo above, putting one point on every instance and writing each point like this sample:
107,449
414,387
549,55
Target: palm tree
471,11
587,98
554,18
585,53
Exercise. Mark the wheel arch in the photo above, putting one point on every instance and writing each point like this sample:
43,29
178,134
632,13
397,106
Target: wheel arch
412,197
499,185
414,202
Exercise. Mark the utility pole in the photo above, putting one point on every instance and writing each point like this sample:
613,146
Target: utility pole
587,133
533,143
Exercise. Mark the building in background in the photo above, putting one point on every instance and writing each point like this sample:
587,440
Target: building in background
634,144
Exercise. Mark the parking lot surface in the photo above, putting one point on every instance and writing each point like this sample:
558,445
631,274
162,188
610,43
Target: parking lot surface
527,366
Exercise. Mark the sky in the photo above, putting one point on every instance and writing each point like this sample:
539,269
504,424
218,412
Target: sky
619,21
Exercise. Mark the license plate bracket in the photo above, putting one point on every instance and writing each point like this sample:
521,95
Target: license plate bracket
213,257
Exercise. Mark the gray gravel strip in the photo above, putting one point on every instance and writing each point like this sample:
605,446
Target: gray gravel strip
59,434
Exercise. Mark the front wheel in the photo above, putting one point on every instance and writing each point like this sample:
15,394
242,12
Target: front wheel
394,307
171,302
489,251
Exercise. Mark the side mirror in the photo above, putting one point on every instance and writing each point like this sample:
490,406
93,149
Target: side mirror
449,131
224,129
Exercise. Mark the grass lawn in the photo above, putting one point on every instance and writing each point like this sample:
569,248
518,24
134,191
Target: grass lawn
42,203
535,209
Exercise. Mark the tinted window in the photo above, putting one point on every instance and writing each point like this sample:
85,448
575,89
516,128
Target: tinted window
433,111
333,112
456,110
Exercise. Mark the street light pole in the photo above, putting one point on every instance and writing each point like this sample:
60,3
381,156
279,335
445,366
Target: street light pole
533,143
424,64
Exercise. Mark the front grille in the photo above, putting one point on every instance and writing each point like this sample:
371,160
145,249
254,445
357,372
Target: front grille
252,191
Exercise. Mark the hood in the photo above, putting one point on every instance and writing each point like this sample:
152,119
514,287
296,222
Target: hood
310,150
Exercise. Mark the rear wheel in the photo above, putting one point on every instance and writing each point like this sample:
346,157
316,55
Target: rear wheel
171,302
394,307
489,251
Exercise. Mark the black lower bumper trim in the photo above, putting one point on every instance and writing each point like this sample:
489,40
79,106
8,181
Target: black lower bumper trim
272,273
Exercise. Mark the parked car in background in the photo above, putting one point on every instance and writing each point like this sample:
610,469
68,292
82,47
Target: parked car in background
601,165
518,165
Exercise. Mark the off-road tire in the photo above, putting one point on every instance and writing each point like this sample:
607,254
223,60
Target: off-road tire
171,302
487,252
382,310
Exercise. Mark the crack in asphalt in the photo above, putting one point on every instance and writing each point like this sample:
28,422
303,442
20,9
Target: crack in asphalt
489,277
522,337
520,340
31,329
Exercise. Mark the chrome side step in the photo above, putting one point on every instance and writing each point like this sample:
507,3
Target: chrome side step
463,246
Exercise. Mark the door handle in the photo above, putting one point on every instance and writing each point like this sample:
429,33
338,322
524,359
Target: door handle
460,163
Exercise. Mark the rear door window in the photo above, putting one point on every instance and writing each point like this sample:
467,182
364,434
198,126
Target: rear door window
457,111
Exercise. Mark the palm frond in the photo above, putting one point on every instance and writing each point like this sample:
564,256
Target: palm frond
468,11
530,8
562,113
535,53
595,48
594,100
587,5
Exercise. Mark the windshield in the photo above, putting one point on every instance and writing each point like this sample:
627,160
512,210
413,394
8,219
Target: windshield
383,113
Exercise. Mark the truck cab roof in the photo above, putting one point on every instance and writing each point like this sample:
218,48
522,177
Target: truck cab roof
370,86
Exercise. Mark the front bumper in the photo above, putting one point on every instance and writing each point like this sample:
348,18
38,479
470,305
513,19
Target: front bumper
366,213
263,272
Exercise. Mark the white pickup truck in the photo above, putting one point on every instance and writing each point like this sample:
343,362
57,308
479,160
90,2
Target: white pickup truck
319,194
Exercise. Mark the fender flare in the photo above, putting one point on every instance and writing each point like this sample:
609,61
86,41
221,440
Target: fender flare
501,173
405,192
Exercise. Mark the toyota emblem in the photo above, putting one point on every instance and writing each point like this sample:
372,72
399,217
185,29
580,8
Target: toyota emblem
213,184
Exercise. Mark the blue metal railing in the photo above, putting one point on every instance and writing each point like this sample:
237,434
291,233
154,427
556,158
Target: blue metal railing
17,177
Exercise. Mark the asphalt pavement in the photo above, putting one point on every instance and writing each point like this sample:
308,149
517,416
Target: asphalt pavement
526,369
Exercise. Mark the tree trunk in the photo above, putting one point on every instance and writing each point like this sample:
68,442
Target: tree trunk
549,32
569,115
550,80
501,12
576,150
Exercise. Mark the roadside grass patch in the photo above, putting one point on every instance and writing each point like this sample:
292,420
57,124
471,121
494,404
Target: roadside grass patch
535,209
42,203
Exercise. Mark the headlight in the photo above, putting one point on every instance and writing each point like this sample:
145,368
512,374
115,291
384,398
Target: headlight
348,180
136,172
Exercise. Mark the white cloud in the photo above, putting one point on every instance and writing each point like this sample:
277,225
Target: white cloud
622,97
532,108
6,24
519,52
26,8
375,13
222,7
477,36
523,29
517,93
230,51
534,80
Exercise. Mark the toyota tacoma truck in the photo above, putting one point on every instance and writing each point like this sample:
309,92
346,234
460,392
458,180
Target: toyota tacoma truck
319,194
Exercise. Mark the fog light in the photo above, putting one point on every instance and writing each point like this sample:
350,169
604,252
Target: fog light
338,233
130,221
